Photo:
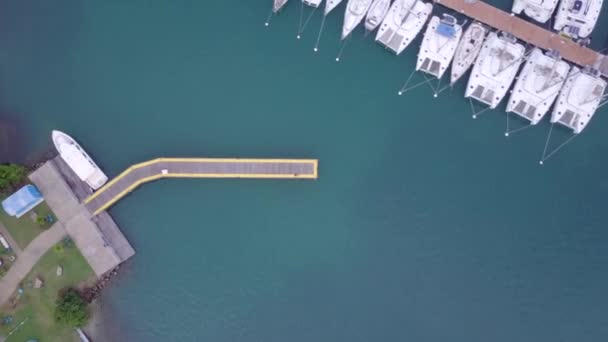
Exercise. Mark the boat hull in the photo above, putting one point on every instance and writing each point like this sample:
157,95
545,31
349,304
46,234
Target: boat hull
78,160
537,86
467,50
403,23
437,50
578,100
376,14
494,71
576,19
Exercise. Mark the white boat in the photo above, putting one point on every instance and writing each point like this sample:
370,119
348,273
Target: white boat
78,160
330,5
537,86
354,14
376,14
438,45
495,69
467,50
577,18
579,99
277,5
402,24
539,10
312,3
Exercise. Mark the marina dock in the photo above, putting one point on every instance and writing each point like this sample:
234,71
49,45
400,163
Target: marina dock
529,32
98,238
159,168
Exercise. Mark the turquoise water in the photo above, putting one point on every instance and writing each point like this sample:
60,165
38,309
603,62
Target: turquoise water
425,225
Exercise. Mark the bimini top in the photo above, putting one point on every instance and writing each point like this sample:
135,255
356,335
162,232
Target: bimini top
22,201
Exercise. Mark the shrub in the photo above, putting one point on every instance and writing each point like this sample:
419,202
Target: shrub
71,309
41,221
11,175
58,248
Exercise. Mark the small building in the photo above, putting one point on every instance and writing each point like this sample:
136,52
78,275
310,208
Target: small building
22,201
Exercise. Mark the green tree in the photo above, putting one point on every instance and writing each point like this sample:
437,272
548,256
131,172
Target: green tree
11,175
71,309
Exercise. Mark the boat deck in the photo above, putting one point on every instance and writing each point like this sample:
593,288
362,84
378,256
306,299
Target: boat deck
528,32
155,169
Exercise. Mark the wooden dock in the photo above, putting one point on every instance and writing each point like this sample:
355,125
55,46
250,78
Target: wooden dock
528,32
155,169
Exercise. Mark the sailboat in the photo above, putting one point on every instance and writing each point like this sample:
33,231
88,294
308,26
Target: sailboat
577,18
402,24
467,50
354,14
579,99
537,86
439,45
495,69
277,5
312,3
539,10
376,14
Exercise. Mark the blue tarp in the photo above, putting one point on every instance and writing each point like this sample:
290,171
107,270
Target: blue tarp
446,30
22,201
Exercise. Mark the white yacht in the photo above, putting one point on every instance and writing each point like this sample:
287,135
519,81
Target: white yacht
277,5
577,18
537,86
495,69
438,45
579,99
402,24
539,10
376,14
467,50
78,160
312,3
354,14
330,5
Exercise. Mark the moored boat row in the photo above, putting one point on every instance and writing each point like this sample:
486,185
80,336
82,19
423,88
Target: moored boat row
545,81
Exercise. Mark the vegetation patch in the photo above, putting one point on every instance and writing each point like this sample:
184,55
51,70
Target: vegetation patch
33,310
11,177
28,226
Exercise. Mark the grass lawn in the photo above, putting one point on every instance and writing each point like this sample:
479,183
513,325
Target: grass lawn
24,229
36,306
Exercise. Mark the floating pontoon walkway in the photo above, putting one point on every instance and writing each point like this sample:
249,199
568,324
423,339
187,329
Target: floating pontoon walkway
528,32
155,169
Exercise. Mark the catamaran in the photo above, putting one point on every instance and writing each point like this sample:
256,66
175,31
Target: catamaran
402,24
354,14
376,14
78,160
277,5
467,50
330,5
537,86
579,99
495,69
577,18
439,45
539,10
312,3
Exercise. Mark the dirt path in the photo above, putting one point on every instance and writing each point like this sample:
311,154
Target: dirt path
28,258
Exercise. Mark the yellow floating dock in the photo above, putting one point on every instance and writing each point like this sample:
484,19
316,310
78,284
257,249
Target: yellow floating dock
155,169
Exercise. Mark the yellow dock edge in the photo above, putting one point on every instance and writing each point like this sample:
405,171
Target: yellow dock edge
314,175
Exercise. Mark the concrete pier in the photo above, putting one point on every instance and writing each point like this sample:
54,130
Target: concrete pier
99,240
